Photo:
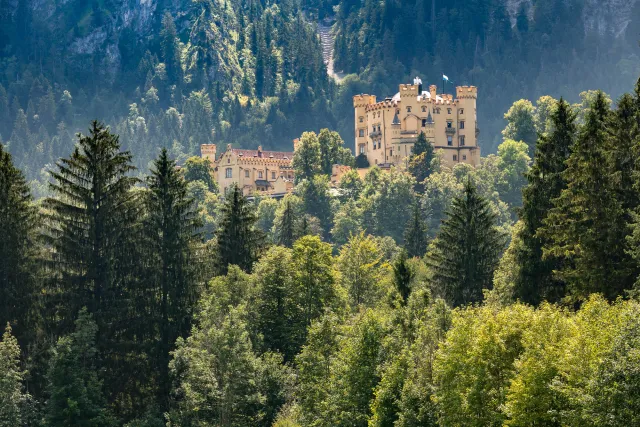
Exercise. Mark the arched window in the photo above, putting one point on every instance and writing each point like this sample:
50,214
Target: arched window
408,109
424,109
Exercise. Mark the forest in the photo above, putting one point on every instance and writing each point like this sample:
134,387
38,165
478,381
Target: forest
133,292
501,295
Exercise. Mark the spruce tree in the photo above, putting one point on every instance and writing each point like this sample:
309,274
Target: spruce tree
75,389
13,399
466,250
587,227
403,275
422,145
171,225
17,253
90,223
534,279
238,241
415,235
286,226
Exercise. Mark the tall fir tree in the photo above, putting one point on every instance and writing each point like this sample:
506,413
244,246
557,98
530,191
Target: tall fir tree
534,279
466,250
75,390
238,240
587,227
415,235
18,222
403,275
171,227
91,226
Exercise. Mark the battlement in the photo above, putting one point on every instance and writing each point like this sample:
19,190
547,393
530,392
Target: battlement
362,100
466,92
408,90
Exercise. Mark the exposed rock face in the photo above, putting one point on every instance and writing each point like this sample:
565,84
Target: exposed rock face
601,16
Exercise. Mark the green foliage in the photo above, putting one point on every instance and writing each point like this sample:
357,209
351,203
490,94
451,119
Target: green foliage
306,160
466,250
415,235
360,270
521,123
317,201
18,303
403,275
199,169
513,164
238,242
13,399
266,214
75,389
332,151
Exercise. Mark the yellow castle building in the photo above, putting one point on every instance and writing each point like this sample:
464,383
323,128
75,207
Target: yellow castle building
269,172
386,130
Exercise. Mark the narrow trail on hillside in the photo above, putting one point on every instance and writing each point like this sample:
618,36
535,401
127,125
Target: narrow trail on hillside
327,39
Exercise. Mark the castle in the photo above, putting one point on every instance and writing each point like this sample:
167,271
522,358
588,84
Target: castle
386,130
252,170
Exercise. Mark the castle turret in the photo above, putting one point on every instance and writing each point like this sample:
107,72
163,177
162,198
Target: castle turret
208,151
360,104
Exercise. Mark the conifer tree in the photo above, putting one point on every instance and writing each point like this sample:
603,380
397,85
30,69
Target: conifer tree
75,389
403,275
90,225
467,249
17,222
586,229
238,241
422,154
415,235
13,399
171,226
534,280
286,226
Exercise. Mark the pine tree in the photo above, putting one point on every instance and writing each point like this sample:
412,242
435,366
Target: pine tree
238,240
415,235
534,279
422,145
403,275
13,399
467,249
90,223
586,229
75,390
172,227
17,253
287,226
170,49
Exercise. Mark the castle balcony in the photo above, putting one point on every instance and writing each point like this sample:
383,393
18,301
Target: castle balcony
375,134
450,131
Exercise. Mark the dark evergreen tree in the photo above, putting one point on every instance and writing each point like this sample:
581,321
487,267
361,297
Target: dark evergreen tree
534,279
317,201
422,145
403,275
587,227
75,390
466,251
170,49
171,227
415,235
287,226
238,241
18,221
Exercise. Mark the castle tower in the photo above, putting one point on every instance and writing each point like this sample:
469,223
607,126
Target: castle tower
208,151
360,103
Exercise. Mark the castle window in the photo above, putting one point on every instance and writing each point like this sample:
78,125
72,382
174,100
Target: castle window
448,110
246,174
462,125
228,159
424,122
464,157
376,161
391,153
361,148
290,176
374,144
260,174
462,140
273,175
449,124
361,133
408,109
424,109
228,173
361,119
455,158
449,140
461,111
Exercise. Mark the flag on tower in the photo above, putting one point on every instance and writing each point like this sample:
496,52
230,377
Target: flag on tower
445,78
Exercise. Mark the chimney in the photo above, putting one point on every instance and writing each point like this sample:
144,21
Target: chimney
259,150
295,144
